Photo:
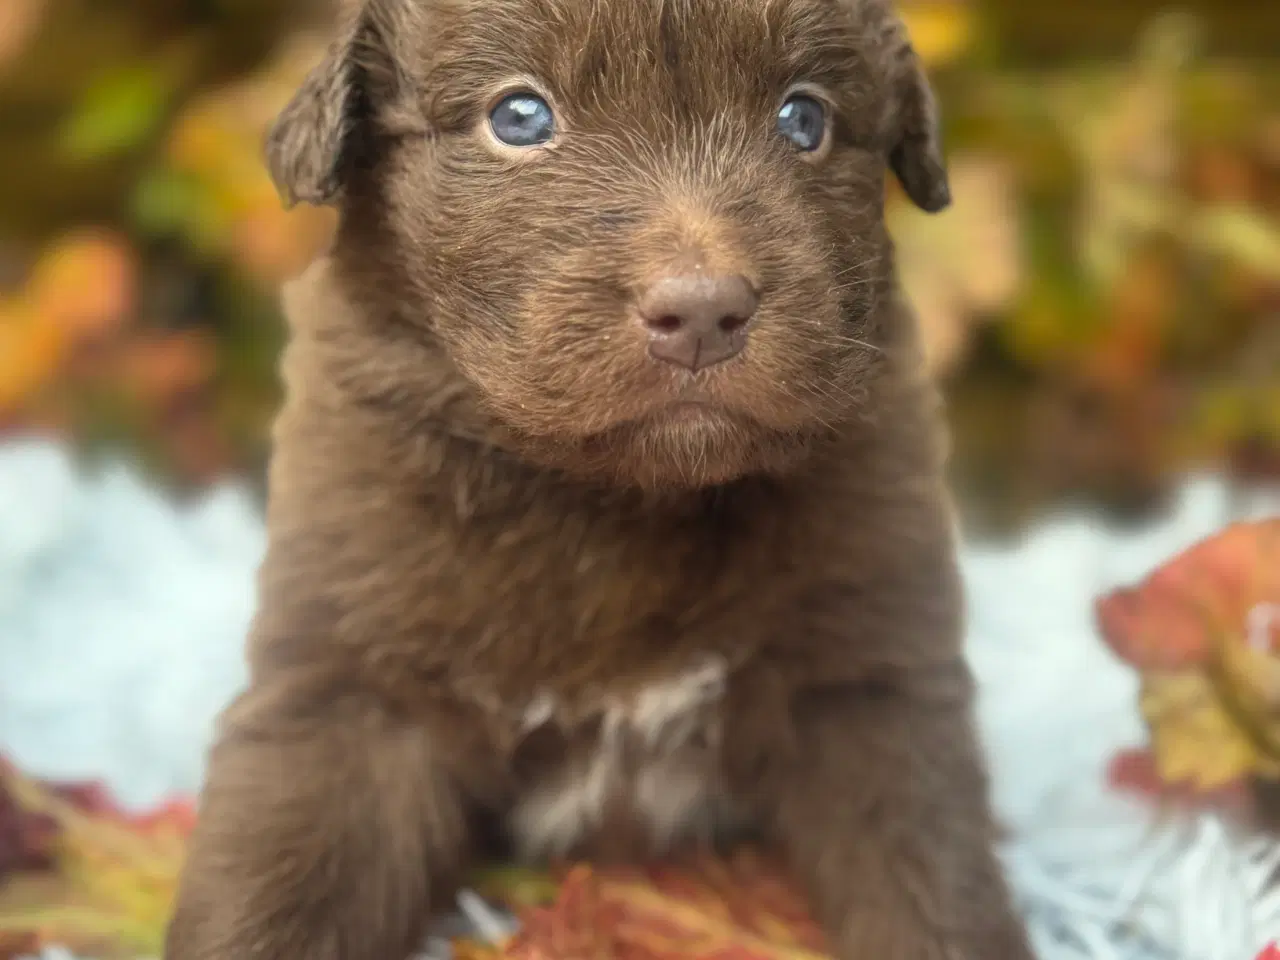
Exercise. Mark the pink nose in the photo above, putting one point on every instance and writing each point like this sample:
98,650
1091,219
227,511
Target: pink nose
697,321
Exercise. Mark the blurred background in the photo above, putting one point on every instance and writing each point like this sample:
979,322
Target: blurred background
1103,301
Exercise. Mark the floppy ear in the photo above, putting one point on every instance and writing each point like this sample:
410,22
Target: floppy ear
310,144
307,143
915,154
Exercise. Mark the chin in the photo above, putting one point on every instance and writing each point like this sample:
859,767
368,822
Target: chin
683,446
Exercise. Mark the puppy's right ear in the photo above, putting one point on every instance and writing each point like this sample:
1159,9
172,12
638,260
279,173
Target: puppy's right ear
364,79
307,145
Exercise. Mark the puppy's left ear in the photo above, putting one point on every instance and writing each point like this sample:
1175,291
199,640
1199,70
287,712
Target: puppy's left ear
915,154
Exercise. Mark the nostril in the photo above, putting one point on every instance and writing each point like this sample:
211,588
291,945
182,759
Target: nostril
666,323
711,312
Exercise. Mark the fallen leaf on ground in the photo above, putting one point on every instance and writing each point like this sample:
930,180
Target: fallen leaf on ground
1203,630
26,837
109,887
744,907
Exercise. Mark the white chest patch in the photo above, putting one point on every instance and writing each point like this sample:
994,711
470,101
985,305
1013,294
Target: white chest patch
655,757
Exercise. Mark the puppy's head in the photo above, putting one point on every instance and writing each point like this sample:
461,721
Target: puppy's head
648,232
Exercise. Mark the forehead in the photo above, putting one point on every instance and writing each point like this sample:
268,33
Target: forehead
600,49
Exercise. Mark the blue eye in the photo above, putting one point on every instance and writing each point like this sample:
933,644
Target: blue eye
522,120
803,121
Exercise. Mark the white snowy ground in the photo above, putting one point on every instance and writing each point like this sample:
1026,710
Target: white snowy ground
122,617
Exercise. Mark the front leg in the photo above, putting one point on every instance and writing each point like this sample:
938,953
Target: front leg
882,808
326,829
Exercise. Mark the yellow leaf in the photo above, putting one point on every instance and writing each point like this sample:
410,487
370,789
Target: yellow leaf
1250,684
1195,739
1242,235
964,262
197,144
941,30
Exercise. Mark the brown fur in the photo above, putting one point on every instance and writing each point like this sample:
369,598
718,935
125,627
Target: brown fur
512,594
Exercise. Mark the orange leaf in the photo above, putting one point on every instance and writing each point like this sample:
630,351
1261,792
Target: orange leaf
19,21
1177,616
15,945
158,369
277,244
744,908
85,284
30,354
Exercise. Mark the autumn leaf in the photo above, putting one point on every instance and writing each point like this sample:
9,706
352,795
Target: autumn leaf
1137,772
159,368
1272,952
114,875
85,284
277,244
1127,350
1204,632
26,837
744,907
216,186
119,110
515,886
940,30
1196,738
964,263
30,354
19,21
1174,618
1240,234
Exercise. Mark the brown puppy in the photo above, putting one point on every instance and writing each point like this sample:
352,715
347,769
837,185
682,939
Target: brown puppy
606,510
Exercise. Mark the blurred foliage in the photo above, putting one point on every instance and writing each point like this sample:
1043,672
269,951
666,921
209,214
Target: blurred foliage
1103,300
88,875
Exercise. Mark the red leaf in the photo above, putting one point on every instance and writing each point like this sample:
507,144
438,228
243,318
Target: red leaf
93,798
26,838
1135,772
23,944
1272,952
1175,618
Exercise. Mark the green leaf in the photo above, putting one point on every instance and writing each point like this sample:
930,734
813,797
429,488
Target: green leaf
165,201
169,202
118,113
